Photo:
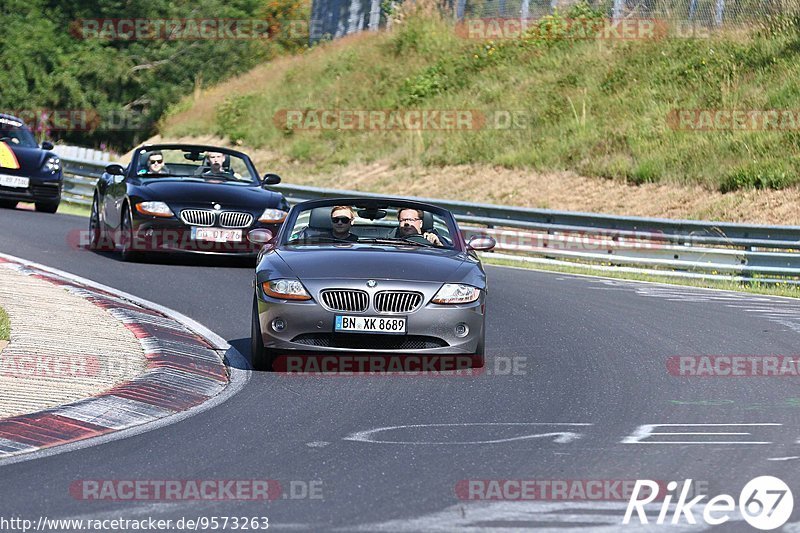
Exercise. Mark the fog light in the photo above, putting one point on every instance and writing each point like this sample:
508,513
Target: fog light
278,324
461,330
148,233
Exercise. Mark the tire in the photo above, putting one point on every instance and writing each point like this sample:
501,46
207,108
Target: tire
46,207
126,238
8,204
479,358
98,238
260,357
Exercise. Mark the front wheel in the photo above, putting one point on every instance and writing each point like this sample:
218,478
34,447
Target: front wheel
259,356
98,238
46,207
126,237
478,358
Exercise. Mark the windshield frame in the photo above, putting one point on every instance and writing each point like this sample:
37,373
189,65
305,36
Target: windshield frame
295,212
139,163
10,124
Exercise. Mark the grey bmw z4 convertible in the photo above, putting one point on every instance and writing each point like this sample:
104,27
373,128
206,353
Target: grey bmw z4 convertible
385,277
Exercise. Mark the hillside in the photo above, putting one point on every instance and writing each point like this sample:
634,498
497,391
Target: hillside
600,110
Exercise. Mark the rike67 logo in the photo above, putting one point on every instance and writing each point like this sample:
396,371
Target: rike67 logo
765,503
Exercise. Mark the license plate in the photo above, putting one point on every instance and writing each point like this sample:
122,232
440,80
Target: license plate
216,234
14,181
370,324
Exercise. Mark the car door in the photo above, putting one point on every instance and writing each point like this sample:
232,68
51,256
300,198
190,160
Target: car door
115,195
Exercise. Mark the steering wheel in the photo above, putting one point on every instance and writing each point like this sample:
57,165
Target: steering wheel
446,241
418,238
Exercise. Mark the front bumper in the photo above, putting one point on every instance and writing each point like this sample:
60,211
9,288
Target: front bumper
172,235
309,328
39,190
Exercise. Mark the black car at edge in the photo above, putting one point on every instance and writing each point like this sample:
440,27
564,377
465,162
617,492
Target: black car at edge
28,172
188,205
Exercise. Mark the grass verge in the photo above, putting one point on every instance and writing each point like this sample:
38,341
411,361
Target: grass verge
789,291
5,326
599,107
74,209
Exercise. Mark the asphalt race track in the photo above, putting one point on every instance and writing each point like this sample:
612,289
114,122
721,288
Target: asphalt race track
591,358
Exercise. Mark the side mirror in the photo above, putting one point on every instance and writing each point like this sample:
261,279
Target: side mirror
259,236
47,145
270,179
115,170
481,243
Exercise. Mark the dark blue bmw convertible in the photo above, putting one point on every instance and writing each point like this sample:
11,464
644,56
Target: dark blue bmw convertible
183,198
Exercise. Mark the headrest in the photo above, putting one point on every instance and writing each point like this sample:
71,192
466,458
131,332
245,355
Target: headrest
320,218
427,221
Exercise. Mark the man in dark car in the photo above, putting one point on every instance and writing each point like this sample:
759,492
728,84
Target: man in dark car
410,221
342,219
217,164
214,164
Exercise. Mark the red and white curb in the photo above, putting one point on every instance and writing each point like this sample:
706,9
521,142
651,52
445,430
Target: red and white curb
185,374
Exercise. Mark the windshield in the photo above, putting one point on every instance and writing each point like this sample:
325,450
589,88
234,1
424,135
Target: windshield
15,132
209,165
392,225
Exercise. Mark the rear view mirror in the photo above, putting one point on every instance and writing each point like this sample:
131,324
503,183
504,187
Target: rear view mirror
115,170
259,236
47,145
270,179
481,243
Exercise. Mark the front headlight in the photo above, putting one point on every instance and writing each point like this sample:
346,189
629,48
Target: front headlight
272,216
287,289
155,209
52,164
456,293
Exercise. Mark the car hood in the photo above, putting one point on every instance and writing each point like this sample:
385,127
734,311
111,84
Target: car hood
189,192
372,262
29,159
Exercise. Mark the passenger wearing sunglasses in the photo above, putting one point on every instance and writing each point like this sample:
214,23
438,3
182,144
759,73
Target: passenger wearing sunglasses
155,164
341,221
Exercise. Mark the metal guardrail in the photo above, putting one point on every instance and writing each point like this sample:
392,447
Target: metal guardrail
690,248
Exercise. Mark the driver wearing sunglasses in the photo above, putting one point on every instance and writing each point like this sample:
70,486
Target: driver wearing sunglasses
341,221
155,164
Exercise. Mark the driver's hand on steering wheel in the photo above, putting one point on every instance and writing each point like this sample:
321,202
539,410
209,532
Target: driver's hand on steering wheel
432,238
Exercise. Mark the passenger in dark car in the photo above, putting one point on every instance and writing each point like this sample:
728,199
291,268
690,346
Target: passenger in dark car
341,221
410,223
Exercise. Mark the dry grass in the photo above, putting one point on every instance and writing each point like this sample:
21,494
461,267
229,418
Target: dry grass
203,106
